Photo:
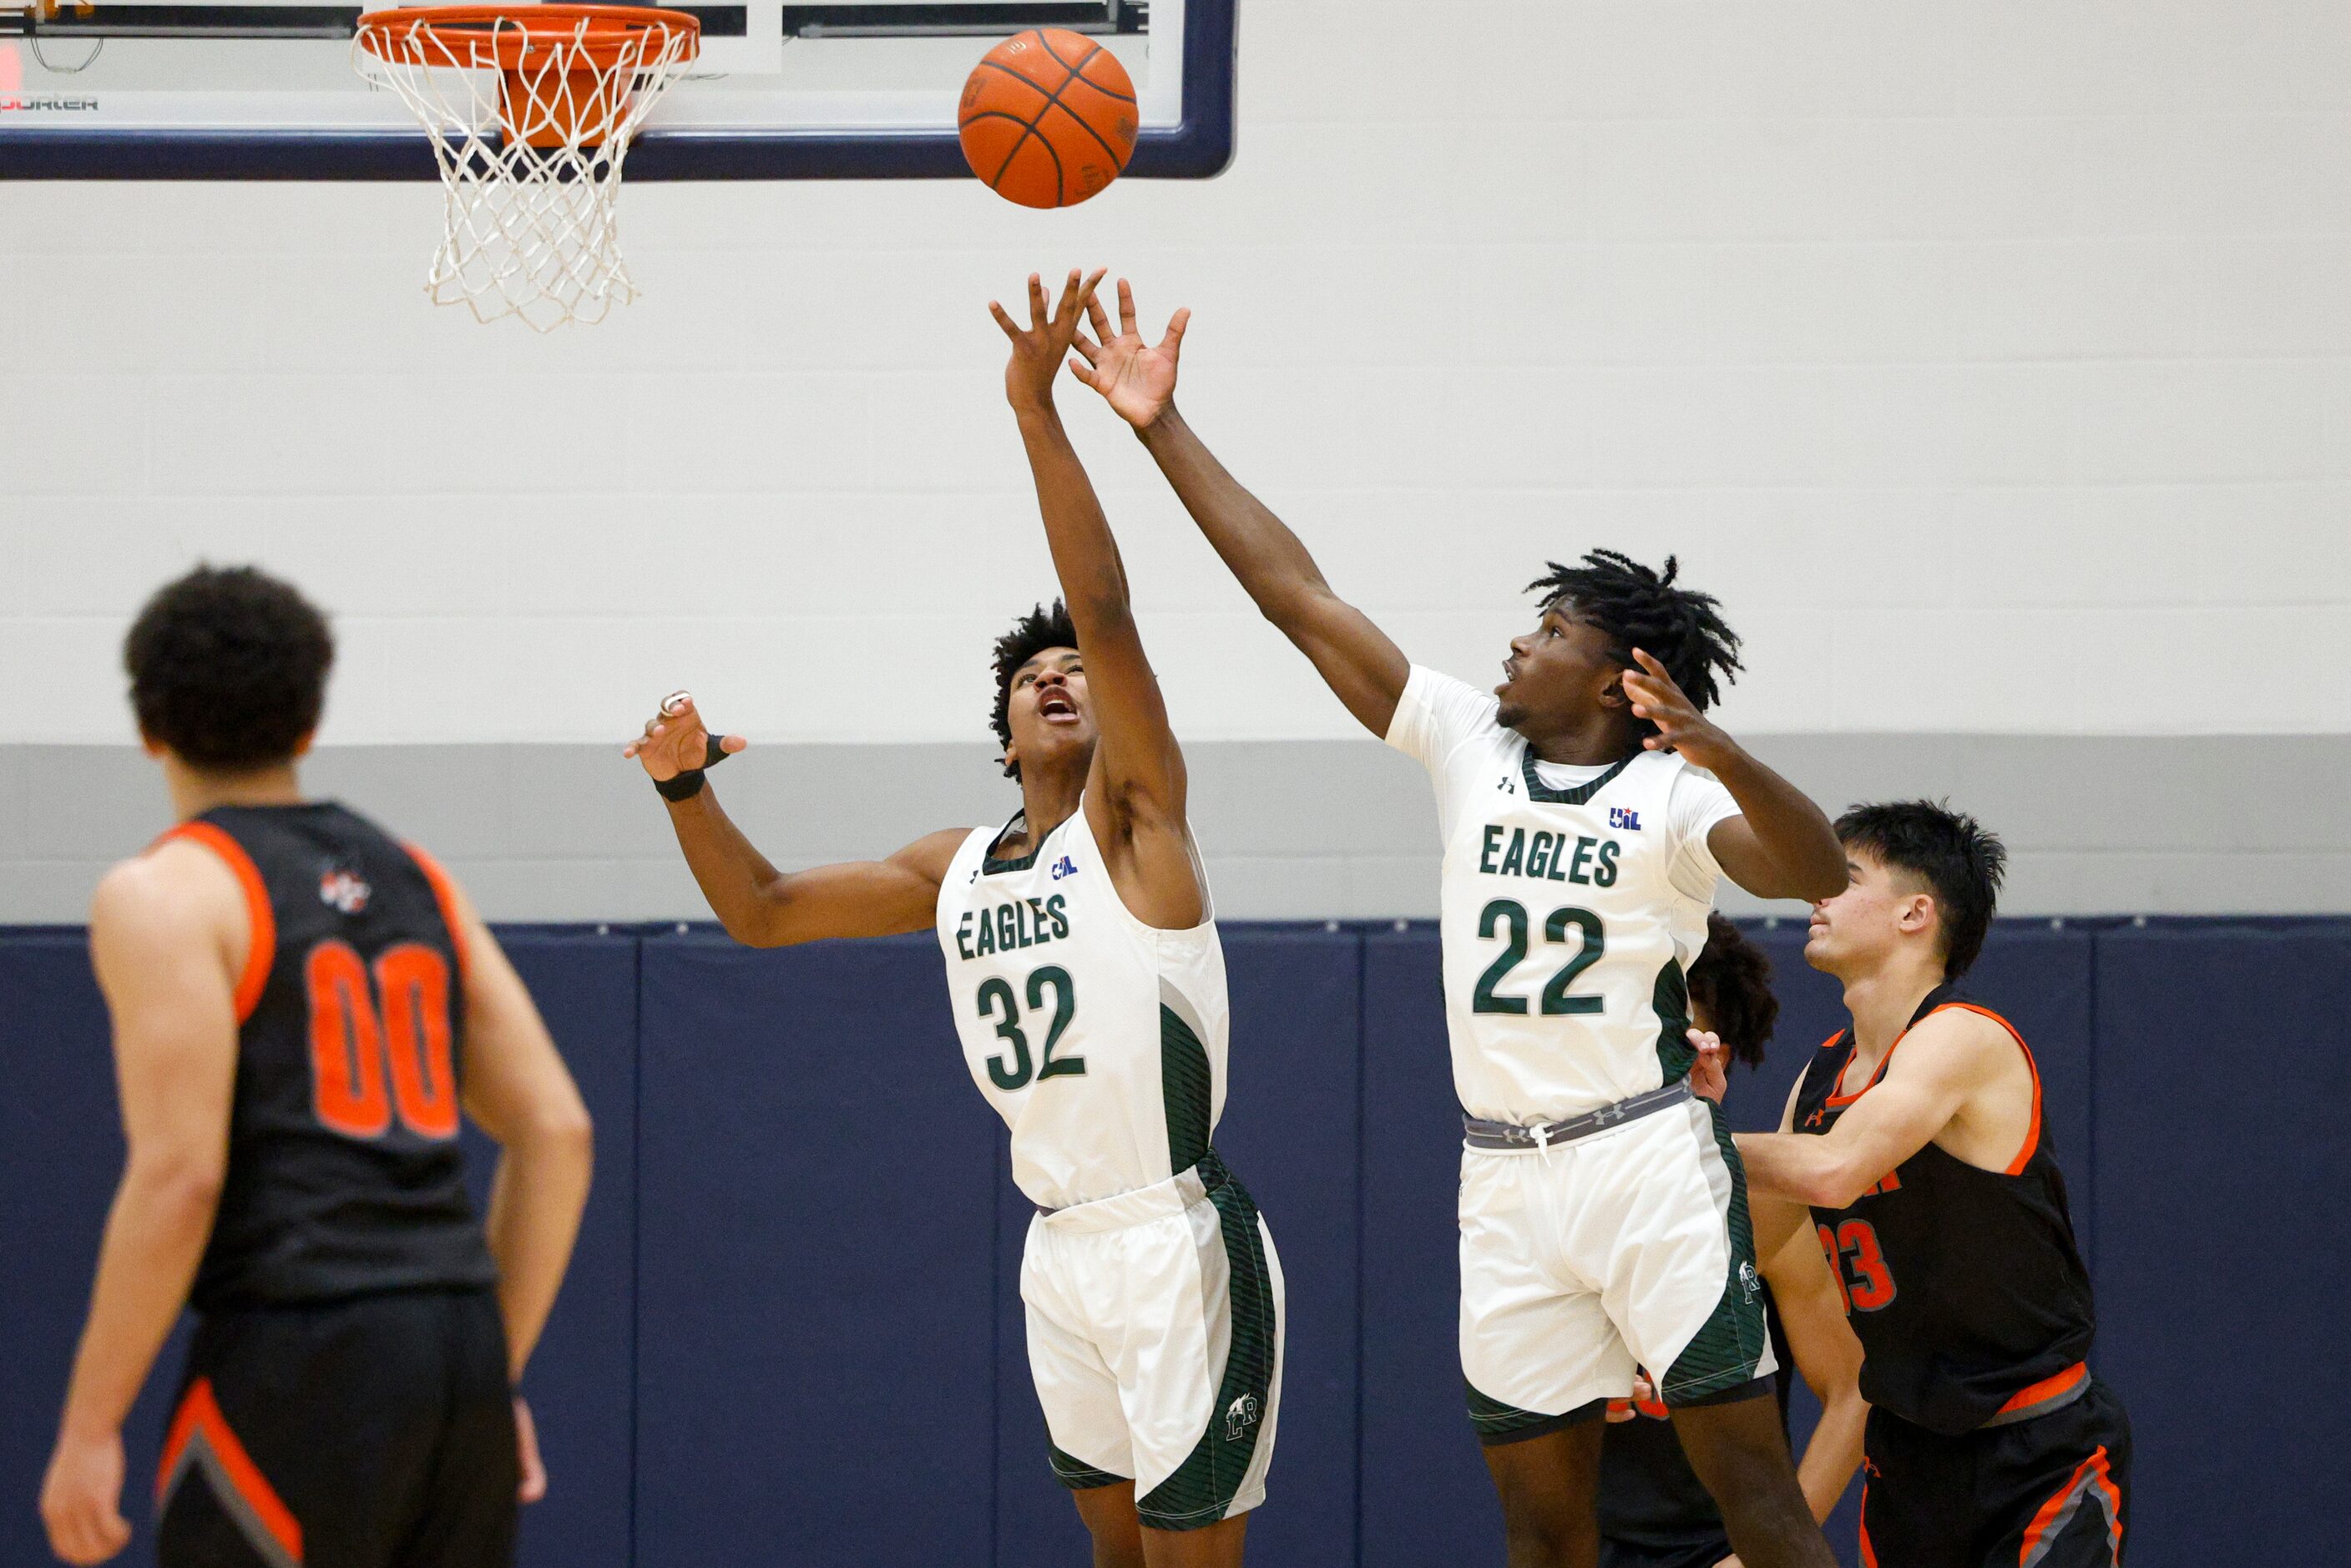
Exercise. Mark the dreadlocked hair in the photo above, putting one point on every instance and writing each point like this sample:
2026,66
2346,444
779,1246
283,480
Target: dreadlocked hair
1731,979
1637,607
1042,628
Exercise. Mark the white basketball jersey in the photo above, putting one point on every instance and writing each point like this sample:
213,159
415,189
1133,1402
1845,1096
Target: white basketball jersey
1100,1040
1565,935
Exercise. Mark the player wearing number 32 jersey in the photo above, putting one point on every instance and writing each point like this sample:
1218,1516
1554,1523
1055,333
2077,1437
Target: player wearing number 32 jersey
1088,986
302,1005
1585,810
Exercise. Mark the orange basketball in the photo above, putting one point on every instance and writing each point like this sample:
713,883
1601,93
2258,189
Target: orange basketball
1049,118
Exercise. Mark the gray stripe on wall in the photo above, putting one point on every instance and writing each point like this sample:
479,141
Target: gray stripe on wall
1293,830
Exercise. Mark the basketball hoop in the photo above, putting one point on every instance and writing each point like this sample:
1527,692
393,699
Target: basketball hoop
531,109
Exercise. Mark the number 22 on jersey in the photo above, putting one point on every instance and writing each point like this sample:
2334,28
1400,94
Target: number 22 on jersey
1507,917
356,1043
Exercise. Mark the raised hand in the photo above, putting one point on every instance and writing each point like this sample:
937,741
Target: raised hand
1680,726
1037,350
1135,378
675,741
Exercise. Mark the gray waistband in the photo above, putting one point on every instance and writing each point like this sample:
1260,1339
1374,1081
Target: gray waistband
1479,1134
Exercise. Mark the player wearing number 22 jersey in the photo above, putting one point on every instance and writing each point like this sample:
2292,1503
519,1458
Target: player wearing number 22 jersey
1916,1138
302,1007
1088,986
1586,810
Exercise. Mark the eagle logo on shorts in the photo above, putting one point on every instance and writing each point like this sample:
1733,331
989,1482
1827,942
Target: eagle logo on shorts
1239,1417
1748,1280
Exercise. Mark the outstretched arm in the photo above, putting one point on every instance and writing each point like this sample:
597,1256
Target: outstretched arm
1943,1060
1356,659
1781,845
1137,783
759,906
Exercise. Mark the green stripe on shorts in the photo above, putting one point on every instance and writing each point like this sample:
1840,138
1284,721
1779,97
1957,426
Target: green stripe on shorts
1203,1487
1726,1351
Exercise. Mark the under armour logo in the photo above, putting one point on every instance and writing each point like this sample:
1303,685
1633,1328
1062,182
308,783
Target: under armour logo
1509,786
1239,1417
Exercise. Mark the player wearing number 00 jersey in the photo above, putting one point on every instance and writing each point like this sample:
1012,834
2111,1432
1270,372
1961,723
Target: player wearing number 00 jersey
301,1007
1586,810
1089,989
1916,1138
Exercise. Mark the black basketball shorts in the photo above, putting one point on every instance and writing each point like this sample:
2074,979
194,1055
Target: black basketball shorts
1615,1554
2050,1492
371,1433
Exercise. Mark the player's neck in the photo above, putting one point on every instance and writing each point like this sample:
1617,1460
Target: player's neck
195,790
1882,1001
1048,800
1595,740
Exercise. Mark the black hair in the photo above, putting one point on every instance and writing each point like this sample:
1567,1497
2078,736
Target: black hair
1639,607
1959,860
1731,979
1042,628
228,667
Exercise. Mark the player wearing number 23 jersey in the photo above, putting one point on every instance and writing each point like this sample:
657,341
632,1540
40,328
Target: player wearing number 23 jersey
1918,1139
304,1010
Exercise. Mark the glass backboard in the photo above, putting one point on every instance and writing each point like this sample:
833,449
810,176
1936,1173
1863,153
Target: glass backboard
156,90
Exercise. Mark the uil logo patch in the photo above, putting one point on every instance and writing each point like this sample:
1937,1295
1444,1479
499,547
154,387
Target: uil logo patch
1063,867
1624,819
1748,1282
343,891
1239,1417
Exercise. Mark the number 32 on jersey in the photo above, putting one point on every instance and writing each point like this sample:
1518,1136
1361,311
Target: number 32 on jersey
1013,1069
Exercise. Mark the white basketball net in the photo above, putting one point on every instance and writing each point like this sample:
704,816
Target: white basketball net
532,230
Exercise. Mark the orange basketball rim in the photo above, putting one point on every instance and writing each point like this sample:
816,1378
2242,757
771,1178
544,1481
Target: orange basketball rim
565,70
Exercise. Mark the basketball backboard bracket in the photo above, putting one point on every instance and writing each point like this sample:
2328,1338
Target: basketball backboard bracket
261,90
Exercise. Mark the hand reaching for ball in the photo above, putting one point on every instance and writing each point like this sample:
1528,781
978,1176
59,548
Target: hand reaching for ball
1136,377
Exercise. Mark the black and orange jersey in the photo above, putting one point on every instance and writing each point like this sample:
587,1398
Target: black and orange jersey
1963,1284
344,1174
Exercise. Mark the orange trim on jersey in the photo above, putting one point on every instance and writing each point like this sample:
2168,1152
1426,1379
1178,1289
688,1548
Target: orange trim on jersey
445,893
200,1418
2047,1388
2033,1133
261,950
1868,1552
2092,1472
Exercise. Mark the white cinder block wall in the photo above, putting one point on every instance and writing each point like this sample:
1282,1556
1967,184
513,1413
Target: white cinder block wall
1993,363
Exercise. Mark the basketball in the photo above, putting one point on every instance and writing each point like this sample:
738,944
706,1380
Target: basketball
1048,118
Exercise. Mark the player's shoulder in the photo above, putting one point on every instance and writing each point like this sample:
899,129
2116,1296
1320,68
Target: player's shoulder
1959,1037
182,883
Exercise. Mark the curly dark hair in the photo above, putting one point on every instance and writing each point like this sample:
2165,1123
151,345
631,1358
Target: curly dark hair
1960,861
1639,607
1732,981
228,667
1042,628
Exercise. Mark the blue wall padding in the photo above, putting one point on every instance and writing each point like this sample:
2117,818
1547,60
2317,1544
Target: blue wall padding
1425,1495
582,1380
2223,1234
792,1331
60,1156
817,1184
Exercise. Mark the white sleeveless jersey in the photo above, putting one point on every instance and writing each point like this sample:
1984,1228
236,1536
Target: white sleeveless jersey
1100,1040
1571,909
